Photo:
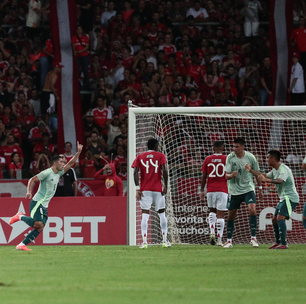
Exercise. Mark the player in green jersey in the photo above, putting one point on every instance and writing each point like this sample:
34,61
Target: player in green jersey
241,189
281,176
38,206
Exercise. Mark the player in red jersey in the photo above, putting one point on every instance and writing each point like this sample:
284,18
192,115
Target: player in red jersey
152,166
214,176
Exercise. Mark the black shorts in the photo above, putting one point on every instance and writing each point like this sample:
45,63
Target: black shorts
234,201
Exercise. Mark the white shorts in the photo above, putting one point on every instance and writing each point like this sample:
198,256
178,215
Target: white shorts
217,200
150,198
251,29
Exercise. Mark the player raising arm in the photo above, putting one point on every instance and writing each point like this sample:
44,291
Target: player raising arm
241,189
38,206
281,176
152,166
214,174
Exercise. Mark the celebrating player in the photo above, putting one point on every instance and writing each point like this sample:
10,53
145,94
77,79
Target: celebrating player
214,174
241,189
152,166
281,176
38,206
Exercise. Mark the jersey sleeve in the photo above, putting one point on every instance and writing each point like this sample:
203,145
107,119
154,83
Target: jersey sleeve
283,174
270,174
228,165
43,174
163,160
255,165
135,163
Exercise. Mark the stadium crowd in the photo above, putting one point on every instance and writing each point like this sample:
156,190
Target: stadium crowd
156,53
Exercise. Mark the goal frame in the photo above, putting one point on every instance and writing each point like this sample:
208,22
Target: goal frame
133,111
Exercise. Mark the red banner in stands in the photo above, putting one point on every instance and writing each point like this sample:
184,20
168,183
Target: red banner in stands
72,221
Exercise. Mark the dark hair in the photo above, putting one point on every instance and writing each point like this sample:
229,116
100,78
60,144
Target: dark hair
54,159
13,154
218,144
94,132
152,143
239,141
275,154
68,142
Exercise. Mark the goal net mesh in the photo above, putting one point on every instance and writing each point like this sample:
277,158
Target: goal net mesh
186,139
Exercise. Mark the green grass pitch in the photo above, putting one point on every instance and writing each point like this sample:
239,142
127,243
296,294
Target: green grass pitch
180,274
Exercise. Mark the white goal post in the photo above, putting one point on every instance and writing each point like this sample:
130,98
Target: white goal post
186,136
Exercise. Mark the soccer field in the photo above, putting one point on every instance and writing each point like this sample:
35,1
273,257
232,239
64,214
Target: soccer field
180,274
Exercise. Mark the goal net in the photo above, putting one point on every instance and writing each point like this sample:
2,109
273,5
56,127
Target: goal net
186,136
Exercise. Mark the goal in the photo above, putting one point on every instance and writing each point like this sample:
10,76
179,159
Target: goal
186,136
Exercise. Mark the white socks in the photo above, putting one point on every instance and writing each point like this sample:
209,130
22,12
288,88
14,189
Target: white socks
212,222
144,226
163,225
220,228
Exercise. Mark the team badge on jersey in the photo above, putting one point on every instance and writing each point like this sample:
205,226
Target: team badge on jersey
109,183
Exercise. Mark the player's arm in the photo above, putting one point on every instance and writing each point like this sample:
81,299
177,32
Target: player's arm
229,175
30,186
203,183
265,178
136,181
165,176
72,161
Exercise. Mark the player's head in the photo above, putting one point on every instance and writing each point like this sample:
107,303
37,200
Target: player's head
64,158
274,156
238,146
153,144
57,162
218,146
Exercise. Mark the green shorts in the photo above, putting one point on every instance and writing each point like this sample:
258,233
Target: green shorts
38,212
234,201
285,208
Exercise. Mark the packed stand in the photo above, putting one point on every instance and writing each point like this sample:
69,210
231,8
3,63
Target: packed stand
155,53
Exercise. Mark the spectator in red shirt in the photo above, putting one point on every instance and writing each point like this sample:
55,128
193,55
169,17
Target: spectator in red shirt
13,128
127,59
80,46
208,90
102,114
193,100
120,157
168,47
10,147
127,12
45,146
35,135
195,69
112,184
176,92
192,30
88,165
14,165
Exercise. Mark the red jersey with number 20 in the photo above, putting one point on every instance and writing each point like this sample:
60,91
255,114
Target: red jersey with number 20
214,167
150,164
